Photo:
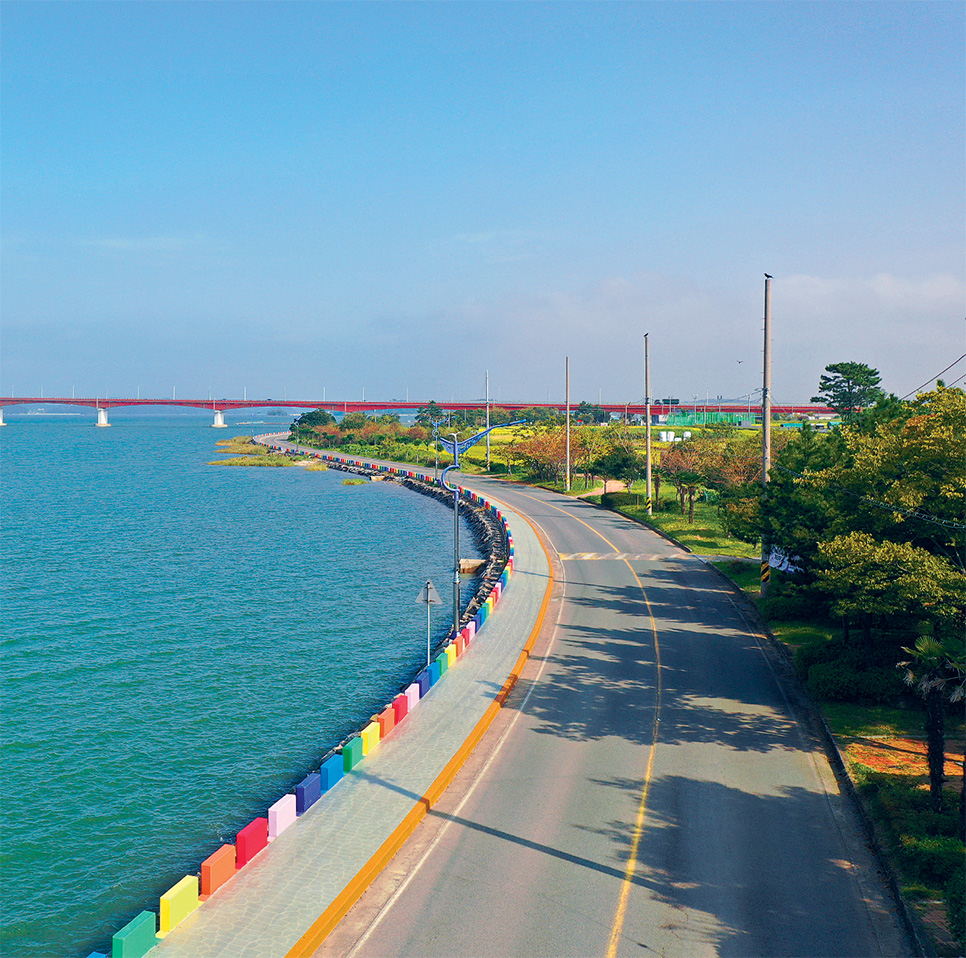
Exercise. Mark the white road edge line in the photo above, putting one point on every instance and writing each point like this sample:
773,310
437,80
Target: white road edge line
479,776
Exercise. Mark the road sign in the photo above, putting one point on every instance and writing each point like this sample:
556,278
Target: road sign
429,595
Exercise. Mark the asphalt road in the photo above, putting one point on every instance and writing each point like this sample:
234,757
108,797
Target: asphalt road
649,790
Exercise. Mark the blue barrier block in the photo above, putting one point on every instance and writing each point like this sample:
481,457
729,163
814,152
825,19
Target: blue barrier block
433,673
308,792
424,682
331,771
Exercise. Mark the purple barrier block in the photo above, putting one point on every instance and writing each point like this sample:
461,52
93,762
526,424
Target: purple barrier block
424,681
412,695
332,770
308,792
280,815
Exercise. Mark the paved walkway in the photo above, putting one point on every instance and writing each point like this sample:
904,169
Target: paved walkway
264,910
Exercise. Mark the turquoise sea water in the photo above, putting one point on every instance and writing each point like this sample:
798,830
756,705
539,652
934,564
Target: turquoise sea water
181,643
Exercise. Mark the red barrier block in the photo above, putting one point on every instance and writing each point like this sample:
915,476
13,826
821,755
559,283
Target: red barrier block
216,869
387,721
250,841
400,705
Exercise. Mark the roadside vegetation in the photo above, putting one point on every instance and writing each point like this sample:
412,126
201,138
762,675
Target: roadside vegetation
242,451
866,525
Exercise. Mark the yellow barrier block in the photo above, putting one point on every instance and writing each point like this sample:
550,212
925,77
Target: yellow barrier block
451,654
370,737
177,903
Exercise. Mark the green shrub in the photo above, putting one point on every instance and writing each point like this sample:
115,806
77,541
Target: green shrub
787,608
956,906
838,681
931,861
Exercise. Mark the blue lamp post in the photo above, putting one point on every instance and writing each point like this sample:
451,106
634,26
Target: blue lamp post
454,447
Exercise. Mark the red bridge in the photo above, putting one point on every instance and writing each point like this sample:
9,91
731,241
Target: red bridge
219,406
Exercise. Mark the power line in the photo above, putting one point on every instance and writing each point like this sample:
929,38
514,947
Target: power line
931,378
911,513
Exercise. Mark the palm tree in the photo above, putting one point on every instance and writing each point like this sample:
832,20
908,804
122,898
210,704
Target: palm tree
931,670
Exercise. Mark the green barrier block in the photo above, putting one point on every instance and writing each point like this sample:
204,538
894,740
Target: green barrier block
442,660
352,753
137,937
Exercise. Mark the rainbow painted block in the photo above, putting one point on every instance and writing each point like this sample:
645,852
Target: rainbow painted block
387,721
137,937
97,954
216,869
413,693
370,737
351,753
400,705
331,771
250,841
460,643
434,672
442,661
280,815
177,903
308,792
425,681
450,651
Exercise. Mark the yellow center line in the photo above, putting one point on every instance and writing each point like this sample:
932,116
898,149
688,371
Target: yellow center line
619,915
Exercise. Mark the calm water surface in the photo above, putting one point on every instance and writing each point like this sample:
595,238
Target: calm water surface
181,643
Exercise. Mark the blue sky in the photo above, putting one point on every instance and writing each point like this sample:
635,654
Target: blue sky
287,197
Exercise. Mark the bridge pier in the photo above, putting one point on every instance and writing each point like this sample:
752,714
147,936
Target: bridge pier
2,423
102,417
219,422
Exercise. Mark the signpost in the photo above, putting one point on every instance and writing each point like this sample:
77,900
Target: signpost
430,596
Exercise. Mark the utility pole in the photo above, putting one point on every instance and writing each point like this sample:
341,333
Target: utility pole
766,436
567,374
647,425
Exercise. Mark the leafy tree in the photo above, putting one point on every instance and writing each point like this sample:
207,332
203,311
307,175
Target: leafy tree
620,464
316,417
353,421
590,414
894,583
427,415
849,386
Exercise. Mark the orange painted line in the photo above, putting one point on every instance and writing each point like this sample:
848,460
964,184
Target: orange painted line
322,927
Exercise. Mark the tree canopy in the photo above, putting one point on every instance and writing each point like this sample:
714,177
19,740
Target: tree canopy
849,387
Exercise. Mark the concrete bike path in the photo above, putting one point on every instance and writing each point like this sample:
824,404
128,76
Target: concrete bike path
274,901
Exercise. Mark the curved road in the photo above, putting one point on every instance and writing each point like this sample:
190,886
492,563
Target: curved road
648,790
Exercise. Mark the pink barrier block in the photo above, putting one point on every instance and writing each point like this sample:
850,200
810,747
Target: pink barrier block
400,705
250,841
280,816
412,695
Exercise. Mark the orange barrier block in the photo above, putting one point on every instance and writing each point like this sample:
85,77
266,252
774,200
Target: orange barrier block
460,644
216,869
387,721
